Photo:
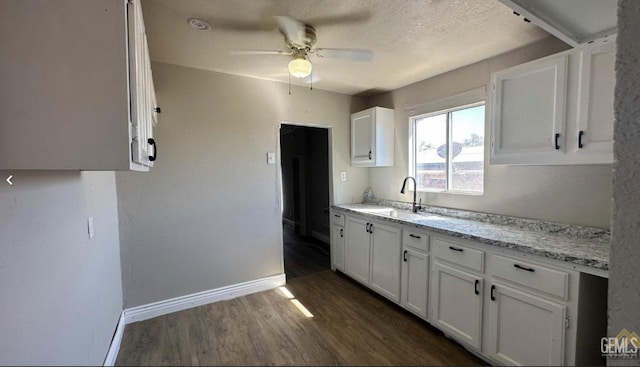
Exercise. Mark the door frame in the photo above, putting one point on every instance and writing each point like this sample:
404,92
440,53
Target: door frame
280,199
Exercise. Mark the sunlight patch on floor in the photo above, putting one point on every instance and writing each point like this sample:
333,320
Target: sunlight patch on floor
297,303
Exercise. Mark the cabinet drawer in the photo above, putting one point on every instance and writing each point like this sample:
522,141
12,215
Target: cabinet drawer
337,219
550,281
458,254
417,240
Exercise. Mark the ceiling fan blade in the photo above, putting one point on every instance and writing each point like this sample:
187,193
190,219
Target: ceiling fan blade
292,28
352,54
260,52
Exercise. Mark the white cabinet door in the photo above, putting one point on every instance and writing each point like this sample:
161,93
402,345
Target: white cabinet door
337,248
385,260
594,133
363,137
528,111
358,250
143,115
372,137
525,329
71,99
415,280
456,303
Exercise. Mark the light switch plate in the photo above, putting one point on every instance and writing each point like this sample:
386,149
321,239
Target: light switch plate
271,158
92,230
343,175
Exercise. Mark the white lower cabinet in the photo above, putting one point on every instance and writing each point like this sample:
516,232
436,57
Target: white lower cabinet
508,307
385,260
337,240
456,303
525,329
358,250
456,290
415,281
528,312
372,252
337,248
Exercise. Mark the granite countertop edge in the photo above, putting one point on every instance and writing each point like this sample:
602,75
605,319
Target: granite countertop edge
579,257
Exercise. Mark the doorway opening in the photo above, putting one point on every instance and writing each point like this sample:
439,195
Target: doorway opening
304,162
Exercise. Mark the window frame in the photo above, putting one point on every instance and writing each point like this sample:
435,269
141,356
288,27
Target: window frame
448,164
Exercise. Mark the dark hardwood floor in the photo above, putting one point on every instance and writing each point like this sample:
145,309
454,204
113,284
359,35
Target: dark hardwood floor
303,255
350,326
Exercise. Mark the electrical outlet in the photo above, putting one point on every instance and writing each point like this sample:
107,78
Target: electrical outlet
343,175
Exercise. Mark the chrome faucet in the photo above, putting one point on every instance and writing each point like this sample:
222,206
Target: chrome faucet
414,207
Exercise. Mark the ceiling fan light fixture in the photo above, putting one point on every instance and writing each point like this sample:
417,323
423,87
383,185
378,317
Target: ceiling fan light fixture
300,67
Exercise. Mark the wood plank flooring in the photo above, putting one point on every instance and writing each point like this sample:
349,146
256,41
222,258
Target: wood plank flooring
303,255
350,326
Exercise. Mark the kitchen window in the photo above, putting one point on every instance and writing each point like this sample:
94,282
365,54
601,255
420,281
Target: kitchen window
447,150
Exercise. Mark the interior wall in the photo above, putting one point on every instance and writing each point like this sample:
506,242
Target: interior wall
568,194
208,214
61,292
624,257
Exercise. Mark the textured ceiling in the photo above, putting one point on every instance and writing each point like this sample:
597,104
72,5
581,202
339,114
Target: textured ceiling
411,40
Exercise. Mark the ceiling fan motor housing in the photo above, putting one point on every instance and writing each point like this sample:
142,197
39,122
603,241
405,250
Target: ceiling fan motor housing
309,39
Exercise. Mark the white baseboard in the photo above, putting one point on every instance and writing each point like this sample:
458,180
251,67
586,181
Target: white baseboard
114,348
168,306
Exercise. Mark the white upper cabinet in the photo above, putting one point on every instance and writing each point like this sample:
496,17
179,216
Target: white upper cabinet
144,112
528,111
372,135
80,96
555,110
595,116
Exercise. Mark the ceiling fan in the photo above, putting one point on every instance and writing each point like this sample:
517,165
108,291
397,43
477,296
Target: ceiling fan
300,39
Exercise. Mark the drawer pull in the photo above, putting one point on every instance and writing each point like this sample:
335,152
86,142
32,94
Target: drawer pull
475,287
414,236
341,232
493,292
456,249
556,144
404,256
337,215
518,266
580,134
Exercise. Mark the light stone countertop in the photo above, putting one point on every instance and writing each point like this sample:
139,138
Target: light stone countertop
584,246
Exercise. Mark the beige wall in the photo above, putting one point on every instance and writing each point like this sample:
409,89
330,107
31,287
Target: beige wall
208,214
60,293
569,194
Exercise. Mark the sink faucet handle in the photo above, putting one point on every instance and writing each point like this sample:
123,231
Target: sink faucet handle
419,204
